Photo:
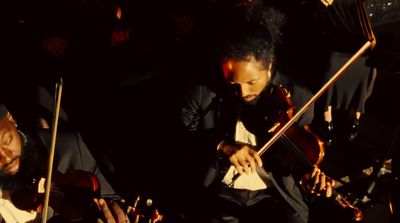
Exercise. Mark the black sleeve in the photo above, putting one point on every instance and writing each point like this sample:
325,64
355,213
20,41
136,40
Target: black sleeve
71,153
199,137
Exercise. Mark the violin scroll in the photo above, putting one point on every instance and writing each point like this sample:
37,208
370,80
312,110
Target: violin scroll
306,185
344,203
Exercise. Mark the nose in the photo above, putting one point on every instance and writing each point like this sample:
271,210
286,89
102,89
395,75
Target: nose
244,90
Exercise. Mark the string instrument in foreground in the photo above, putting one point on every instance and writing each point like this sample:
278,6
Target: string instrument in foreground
71,194
310,152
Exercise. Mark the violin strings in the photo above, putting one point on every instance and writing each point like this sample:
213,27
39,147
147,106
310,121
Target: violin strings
57,191
289,143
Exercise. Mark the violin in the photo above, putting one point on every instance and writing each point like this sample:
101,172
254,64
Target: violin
71,196
304,147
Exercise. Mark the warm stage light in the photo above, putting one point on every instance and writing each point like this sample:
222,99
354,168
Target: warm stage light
118,12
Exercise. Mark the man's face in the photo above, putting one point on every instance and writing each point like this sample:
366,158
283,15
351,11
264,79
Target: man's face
250,75
10,146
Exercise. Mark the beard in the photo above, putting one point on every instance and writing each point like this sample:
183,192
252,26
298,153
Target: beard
28,162
257,114
263,95
3,171
252,102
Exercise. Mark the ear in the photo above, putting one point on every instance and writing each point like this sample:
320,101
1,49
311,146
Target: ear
270,62
269,67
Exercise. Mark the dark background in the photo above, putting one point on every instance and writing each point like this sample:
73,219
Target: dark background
124,97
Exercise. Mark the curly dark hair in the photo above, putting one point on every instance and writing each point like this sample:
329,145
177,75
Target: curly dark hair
252,29
245,39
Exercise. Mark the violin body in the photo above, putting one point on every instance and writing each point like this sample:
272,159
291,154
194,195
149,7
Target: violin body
305,145
71,196
273,111
301,142
309,151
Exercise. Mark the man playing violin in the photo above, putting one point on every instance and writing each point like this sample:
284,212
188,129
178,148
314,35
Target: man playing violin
22,158
236,117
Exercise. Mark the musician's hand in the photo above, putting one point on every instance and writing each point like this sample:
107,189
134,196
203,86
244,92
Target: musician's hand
243,157
317,183
111,211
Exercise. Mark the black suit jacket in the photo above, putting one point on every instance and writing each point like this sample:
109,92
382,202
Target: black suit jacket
72,153
200,114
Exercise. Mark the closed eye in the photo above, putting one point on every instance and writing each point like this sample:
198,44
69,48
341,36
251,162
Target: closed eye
252,82
7,139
